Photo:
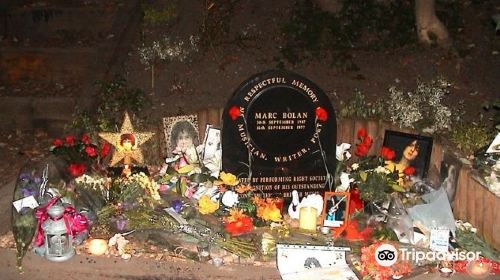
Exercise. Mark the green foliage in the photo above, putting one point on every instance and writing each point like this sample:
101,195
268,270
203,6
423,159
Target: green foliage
154,17
470,136
113,99
473,243
360,24
358,107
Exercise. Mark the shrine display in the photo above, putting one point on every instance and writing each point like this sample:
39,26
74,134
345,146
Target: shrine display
252,191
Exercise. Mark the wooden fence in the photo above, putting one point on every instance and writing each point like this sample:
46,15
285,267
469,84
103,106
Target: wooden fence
473,202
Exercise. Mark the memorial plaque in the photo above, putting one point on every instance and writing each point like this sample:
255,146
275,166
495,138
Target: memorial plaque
279,131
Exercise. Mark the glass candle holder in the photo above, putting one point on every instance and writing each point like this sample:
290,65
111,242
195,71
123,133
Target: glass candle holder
203,251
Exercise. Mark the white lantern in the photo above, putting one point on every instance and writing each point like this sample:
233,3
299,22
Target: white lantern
58,241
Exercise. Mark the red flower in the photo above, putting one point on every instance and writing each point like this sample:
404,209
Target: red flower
70,140
387,153
409,171
368,141
321,114
234,112
90,151
105,150
362,133
76,169
86,139
57,142
240,226
361,150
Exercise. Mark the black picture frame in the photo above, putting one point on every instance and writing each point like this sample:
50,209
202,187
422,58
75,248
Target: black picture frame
397,141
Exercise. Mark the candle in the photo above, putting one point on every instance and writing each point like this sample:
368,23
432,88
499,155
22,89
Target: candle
308,218
478,269
98,247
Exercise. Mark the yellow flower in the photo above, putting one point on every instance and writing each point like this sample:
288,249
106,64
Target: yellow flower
269,212
227,179
207,206
234,215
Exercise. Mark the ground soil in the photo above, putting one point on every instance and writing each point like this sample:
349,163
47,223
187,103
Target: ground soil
208,79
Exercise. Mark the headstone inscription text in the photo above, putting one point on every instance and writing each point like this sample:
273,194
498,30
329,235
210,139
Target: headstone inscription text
272,131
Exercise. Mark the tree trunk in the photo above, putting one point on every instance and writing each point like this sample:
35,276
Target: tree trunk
429,27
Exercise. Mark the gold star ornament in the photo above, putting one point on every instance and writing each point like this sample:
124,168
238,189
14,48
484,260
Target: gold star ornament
127,143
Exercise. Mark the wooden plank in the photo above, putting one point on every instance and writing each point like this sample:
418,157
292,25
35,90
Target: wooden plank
495,208
471,202
479,193
488,217
214,117
460,209
372,127
345,132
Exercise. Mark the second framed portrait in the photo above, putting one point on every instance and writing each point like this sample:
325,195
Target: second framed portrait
181,133
336,209
410,151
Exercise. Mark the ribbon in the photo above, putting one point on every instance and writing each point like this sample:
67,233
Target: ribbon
41,214
76,223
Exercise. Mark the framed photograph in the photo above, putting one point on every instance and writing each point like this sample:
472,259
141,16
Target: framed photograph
411,151
212,142
181,132
336,209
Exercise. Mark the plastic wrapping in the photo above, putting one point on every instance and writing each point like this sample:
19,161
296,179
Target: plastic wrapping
399,220
435,213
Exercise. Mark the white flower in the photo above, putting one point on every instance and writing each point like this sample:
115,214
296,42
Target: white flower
342,152
467,225
474,230
381,169
355,166
229,198
345,181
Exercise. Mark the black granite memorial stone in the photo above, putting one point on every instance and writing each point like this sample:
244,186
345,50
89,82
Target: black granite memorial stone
279,134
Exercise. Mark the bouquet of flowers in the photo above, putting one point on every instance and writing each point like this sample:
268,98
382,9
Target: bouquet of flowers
371,174
240,205
79,154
